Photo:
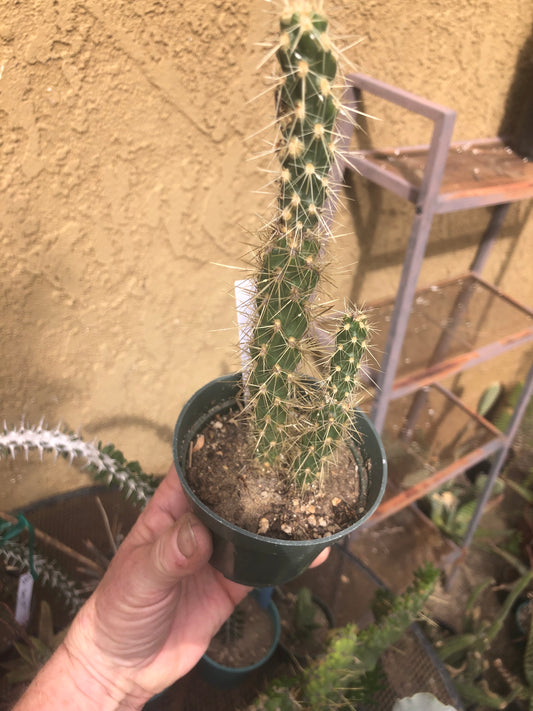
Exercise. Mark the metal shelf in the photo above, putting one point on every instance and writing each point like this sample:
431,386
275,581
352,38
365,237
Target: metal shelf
447,439
477,173
453,326
442,330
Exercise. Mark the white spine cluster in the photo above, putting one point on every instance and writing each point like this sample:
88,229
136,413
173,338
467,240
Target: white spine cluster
16,555
71,446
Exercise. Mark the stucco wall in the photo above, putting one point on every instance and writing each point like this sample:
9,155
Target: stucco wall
126,181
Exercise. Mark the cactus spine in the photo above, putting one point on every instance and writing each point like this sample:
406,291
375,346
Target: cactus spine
295,424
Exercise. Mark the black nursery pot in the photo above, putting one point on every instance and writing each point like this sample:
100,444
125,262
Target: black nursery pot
245,557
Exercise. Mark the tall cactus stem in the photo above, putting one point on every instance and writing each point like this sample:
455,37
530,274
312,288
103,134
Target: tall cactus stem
290,261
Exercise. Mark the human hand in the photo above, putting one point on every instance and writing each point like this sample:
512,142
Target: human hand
150,619
159,604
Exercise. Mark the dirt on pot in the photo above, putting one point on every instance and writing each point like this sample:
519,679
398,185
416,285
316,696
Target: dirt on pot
224,475
245,639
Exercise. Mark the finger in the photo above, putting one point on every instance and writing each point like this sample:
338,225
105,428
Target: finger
166,506
169,495
179,551
321,558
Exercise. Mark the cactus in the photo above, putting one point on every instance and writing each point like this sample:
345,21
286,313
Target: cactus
294,424
466,654
49,573
105,464
336,680
347,673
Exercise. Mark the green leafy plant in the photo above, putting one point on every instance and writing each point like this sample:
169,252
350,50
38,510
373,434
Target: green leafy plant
297,425
452,506
466,654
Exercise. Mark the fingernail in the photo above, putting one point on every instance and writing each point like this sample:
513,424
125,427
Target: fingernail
186,539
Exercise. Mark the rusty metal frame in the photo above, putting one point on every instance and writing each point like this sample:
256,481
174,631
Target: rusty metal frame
402,498
429,201
425,198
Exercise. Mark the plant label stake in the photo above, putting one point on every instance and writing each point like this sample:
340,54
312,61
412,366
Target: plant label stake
24,596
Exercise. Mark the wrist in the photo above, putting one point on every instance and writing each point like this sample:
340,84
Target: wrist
98,684
80,676
96,674
67,684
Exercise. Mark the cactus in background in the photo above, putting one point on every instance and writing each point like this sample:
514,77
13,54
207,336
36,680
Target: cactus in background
337,679
105,464
296,424
49,573
348,672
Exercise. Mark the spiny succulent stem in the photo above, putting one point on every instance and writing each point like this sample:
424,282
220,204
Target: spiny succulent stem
49,573
296,425
106,464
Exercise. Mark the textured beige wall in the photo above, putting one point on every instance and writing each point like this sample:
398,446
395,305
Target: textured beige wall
125,175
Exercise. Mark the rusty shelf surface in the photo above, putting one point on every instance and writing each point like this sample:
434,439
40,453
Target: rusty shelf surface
453,326
447,438
477,173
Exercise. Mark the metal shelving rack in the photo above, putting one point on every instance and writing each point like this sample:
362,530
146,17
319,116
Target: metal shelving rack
439,178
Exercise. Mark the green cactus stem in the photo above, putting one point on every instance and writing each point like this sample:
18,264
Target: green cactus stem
346,674
331,423
353,654
290,260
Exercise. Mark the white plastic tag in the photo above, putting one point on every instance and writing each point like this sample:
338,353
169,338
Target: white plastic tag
24,593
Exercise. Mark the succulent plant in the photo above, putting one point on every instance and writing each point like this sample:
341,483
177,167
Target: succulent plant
105,463
296,424
33,651
49,573
347,673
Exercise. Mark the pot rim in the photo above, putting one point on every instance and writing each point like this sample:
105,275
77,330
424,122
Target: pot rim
326,540
273,611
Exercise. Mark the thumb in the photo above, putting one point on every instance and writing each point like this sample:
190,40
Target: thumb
181,550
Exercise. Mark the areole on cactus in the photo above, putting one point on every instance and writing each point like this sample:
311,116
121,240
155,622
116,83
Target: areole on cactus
295,424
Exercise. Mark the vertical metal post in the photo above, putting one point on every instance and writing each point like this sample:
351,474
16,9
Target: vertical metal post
457,311
496,221
500,458
424,212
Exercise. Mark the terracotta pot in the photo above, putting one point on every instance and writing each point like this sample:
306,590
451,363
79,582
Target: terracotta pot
246,557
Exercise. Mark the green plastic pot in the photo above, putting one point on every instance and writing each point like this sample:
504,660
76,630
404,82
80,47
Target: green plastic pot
227,677
245,557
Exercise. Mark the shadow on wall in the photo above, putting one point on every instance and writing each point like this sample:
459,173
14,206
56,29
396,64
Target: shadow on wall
517,121
162,432
381,221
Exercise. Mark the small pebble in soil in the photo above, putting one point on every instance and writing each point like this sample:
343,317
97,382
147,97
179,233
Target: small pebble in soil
228,480
264,525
